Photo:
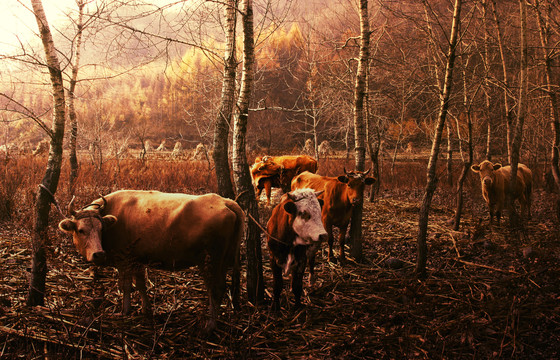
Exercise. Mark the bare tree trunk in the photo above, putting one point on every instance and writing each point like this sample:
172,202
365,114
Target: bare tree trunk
449,156
544,31
466,163
359,129
221,134
74,165
37,286
521,112
507,108
486,59
247,199
431,174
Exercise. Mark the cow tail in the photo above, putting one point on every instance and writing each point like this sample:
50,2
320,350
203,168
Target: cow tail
236,272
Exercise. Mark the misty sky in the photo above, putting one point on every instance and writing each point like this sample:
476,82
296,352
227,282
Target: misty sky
17,20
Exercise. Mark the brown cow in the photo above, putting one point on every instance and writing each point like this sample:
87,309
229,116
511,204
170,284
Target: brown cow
495,187
278,171
131,229
294,225
341,193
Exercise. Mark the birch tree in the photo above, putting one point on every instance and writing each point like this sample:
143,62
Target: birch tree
225,110
360,128
71,98
432,163
242,177
50,180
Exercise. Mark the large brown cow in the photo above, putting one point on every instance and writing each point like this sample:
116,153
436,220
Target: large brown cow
278,171
294,225
132,229
495,179
341,193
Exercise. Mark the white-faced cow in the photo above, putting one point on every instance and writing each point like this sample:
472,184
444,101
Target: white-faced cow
341,193
294,225
132,229
494,179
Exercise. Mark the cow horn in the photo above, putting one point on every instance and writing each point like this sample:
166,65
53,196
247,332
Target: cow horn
345,172
71,210
367,172
104,202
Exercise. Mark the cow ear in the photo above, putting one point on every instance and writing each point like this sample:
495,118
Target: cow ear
497,166
321,202
290,208
109,220
475,168
343,179
369,181
67,225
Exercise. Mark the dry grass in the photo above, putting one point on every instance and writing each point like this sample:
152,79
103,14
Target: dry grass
490,292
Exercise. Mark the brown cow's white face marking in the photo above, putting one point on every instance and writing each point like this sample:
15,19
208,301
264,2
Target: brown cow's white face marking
307,222
486,171
86,235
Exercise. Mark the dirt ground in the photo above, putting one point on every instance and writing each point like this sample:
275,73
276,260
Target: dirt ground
490,293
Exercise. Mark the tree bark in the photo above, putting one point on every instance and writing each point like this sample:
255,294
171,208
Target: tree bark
544,32
359,129
74,165
431,173
39,241
521,111
507,108
221,133
246,194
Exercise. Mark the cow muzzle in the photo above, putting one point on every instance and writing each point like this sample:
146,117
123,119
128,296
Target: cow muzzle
99,258
487,181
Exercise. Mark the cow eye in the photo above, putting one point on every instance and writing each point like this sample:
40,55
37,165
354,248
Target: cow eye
81,231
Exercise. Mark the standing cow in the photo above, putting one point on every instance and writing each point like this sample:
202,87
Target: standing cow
278,171
340,194
294,225
494,179
132,229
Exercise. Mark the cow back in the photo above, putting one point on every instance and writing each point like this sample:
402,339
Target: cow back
169,231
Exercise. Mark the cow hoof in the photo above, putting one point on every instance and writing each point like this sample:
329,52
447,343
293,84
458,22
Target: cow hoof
275,307
209,328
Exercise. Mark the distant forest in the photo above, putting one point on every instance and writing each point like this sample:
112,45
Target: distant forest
152,72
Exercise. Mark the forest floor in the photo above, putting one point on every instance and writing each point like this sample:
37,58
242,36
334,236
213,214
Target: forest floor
490,292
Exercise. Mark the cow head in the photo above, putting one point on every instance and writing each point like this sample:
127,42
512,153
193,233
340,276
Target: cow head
486,171
305,208
355,183
86,226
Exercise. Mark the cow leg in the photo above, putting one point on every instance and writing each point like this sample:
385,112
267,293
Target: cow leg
268,191
342,243
278,283
311,253
329,227
297,276
125,282
215,281
140,280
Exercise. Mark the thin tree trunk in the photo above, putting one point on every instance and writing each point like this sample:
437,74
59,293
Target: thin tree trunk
221,133
74,165
521,112
431,173
507,108
359,129
39,241
486,60
247,199
449,156
544,32
466,163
